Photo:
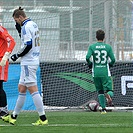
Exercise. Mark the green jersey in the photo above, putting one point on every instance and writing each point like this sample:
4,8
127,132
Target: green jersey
102,55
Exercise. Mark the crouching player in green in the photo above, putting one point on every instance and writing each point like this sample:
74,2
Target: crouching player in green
102,58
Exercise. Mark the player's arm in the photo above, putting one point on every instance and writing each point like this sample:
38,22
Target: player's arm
11,44
112,57
22,51
8,39
18,28
27,44
88,56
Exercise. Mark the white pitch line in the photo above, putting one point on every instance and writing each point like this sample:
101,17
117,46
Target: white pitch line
88,125
9,125
70,125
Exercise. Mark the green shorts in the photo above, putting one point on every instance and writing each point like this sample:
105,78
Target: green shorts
103,83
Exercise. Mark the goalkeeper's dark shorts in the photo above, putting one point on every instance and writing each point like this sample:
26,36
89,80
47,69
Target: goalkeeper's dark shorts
103,83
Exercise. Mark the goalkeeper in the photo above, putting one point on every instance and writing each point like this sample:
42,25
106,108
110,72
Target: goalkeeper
102,58
7,44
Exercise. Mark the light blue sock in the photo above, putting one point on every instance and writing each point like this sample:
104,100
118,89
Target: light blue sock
38,103
19,103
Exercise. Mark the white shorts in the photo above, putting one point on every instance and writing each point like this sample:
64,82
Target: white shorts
28,75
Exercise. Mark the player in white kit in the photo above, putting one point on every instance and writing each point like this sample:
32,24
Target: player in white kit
29,53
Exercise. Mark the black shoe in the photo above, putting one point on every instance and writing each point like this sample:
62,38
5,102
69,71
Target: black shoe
3,113
103,111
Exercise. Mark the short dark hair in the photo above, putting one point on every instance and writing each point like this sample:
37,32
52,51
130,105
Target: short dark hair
18,12
100,34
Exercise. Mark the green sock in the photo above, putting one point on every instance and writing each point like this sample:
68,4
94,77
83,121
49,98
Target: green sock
101,98
110,93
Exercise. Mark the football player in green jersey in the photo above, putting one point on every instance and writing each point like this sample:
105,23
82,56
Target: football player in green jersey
102,58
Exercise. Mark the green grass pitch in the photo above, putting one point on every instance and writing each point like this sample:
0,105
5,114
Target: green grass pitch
72,122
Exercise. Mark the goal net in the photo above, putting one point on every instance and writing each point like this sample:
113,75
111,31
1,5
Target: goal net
67,28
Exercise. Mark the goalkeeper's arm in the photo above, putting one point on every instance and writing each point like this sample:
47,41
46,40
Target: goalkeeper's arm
12,43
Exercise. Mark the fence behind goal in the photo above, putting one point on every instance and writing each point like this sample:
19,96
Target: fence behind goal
67,28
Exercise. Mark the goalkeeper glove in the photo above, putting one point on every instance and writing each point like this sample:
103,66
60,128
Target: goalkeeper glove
14,57
18,28
4,59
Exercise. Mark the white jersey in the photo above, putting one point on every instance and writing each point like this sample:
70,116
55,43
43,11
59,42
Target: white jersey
30,35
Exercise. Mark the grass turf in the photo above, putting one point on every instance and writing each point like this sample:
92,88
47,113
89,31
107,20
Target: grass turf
72,122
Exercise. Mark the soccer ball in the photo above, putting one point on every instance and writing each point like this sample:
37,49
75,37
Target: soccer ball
93,105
